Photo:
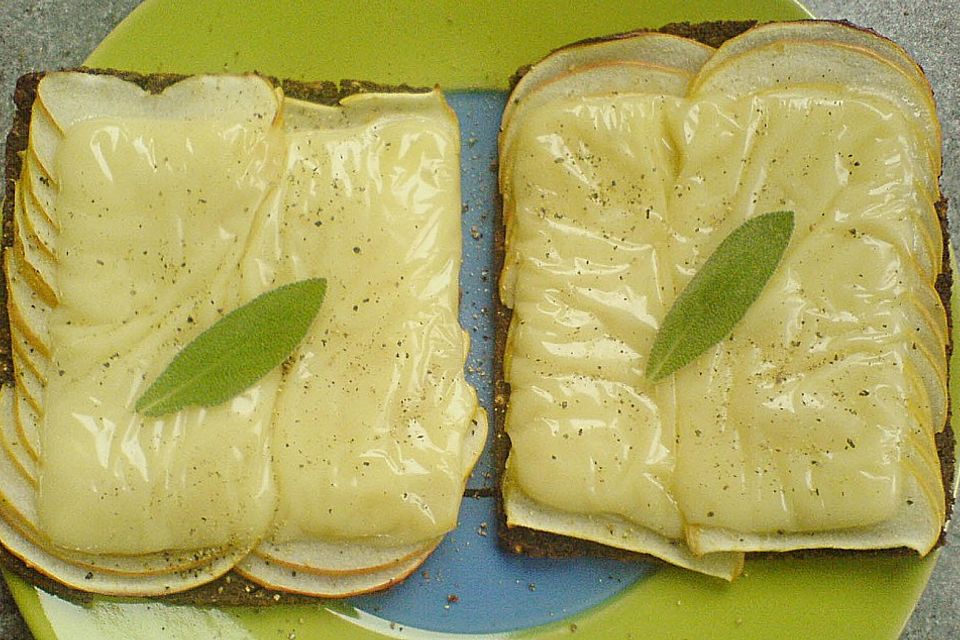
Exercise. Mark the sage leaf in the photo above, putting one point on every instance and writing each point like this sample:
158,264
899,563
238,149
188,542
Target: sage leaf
720,293
237,350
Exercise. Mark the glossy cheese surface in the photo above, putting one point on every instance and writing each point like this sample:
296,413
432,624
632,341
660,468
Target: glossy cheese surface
813,413
372,421
590,290
154,221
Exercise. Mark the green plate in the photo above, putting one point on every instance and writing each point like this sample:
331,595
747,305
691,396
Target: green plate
471,45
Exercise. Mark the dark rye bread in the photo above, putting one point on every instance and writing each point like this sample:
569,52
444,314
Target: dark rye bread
532,542
231,589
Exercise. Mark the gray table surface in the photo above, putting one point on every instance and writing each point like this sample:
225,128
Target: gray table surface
47,34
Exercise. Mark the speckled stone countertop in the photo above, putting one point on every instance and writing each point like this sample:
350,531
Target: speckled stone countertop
47,34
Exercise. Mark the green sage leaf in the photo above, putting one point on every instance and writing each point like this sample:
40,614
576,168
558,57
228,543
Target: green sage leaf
719,294
236,351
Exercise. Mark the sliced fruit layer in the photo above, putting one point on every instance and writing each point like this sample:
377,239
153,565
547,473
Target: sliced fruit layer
858,70
818,31
341,585
644,47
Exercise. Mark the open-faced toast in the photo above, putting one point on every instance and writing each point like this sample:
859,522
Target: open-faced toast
141,209
821,420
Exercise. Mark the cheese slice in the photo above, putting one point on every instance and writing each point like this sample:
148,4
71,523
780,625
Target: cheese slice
154,215
369,208
590,194
807,417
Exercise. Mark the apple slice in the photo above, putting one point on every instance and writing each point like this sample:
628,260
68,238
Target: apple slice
819,30
597,78
36,221
40,262
28,310
28,384
43,188
649,47
339,558
23,459
44,137
28,355
928,300
785,64
340,585
27,421
924,366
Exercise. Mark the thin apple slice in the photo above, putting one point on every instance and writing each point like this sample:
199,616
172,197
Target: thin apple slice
339,558
929,370
855,69
928,300
918,329
28,310
43,188
28,355
819,30
598,78
37,223
43,138
27,421
28,383
18,454
648,47
272,576
40,261
25,465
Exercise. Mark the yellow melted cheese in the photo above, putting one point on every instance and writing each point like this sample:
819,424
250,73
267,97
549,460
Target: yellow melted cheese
805,418
154,221
371,423
587,234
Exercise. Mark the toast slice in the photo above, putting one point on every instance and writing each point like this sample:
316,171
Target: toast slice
822,420
142,208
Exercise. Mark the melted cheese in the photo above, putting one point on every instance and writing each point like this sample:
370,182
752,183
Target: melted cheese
803,419
814,385
588,231
371,424
154,217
